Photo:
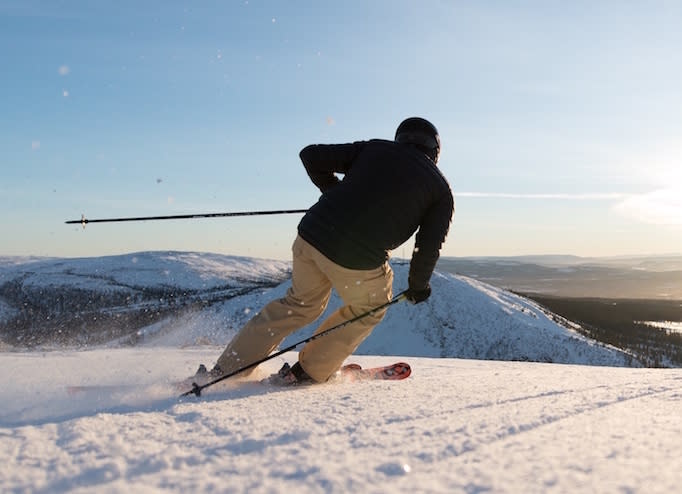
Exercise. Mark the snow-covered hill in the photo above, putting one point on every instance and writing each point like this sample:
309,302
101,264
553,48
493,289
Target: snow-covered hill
454,426
188,299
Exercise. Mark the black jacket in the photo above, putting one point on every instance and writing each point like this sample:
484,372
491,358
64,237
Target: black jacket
388,192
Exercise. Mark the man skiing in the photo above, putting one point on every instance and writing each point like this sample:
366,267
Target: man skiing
389,190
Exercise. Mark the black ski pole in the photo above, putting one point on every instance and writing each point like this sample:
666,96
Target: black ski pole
84,221
196,389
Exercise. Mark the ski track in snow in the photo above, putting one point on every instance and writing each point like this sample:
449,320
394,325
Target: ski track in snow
453,426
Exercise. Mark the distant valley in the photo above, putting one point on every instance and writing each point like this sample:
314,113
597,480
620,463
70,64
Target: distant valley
654,278
634,303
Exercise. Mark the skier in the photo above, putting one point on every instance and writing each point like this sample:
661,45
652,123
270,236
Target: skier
389,190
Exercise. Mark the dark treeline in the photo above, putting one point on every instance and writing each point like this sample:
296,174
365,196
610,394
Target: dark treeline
615,322
70,316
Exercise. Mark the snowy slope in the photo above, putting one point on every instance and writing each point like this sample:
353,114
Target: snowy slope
184,270
56,303
454,426
205,298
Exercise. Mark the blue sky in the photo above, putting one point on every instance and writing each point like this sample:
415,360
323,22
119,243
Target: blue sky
560,121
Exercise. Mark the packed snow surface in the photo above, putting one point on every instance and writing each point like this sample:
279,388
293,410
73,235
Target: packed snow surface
577,419
454,426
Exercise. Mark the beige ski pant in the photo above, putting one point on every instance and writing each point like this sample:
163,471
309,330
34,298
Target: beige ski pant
313,278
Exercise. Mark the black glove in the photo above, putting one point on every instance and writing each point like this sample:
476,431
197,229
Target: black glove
415,296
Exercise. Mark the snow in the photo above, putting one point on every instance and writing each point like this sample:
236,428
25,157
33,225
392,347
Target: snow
670,326
454,426
463,318
189,270
460,423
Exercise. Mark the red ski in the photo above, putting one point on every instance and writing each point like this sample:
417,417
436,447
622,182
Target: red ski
393,372
350,373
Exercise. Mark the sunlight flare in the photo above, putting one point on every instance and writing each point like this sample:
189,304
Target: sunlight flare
660,207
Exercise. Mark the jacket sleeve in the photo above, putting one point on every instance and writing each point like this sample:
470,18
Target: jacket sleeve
323,161
429,240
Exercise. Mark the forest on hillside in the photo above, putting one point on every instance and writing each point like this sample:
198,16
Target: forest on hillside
620,322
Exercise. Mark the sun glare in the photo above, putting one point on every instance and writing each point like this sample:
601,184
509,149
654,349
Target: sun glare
662,203
661,207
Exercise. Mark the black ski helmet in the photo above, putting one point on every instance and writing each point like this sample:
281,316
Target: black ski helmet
420,133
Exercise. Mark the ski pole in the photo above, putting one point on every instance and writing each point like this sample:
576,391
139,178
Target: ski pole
84,221
196,389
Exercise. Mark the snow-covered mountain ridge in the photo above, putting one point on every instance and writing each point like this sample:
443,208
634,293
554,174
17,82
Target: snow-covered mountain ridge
185,299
